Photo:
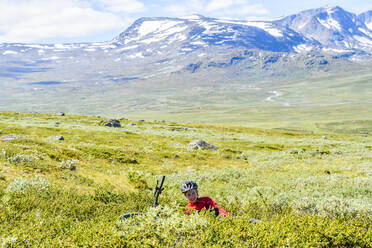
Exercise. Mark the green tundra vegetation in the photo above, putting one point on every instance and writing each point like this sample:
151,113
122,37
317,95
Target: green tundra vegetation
308,188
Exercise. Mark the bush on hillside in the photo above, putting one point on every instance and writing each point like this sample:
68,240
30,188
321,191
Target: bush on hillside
20,185
68,164
19,159
167,227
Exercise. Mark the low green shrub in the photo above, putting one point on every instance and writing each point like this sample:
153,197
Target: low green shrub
110,154
21,159
20,185
49,216
307,191
167,227
68,165
137,179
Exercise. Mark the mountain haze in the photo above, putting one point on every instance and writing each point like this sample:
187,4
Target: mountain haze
150,65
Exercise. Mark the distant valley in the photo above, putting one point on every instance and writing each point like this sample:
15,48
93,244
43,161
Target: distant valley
314,65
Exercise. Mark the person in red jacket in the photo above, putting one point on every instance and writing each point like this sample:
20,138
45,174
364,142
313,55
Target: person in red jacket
190,190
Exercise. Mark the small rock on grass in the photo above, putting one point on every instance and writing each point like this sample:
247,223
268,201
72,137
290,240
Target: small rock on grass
111,123
201,144
10,137
58,137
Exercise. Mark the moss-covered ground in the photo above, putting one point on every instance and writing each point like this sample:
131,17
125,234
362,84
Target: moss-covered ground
309,189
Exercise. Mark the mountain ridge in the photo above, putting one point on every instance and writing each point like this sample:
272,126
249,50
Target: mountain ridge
326,28
159,56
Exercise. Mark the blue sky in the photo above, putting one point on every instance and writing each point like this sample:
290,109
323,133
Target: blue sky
64,21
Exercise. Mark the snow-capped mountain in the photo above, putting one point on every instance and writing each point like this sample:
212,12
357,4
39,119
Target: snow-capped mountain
195,32
152,47
327,28
332,27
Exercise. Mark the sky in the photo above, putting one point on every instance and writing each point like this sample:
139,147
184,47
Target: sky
72,21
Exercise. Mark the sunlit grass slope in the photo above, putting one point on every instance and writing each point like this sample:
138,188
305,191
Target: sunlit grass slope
310,189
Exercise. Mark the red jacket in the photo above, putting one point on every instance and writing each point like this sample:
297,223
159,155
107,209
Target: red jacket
204,203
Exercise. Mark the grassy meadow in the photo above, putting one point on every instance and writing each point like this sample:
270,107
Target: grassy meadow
309,188
263,101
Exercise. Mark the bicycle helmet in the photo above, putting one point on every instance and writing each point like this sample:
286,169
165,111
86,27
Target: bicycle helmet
188,185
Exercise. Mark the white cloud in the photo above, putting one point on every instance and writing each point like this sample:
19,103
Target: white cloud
129,6
45,20
34,20
361,9
177,10
218,8
219,4
255,9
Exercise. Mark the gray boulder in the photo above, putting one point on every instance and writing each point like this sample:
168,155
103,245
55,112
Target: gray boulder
201,144
10,137
111,123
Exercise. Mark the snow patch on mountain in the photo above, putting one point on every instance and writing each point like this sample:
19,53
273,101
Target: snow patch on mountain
330,23
136,55
268,27
156,26
151,40
197,43
64,46
166,35
301,26
177,37
102,45
363,40
39,46
209,27
335,50
365,31
127,48
174,30
303,48
10,52
331,9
